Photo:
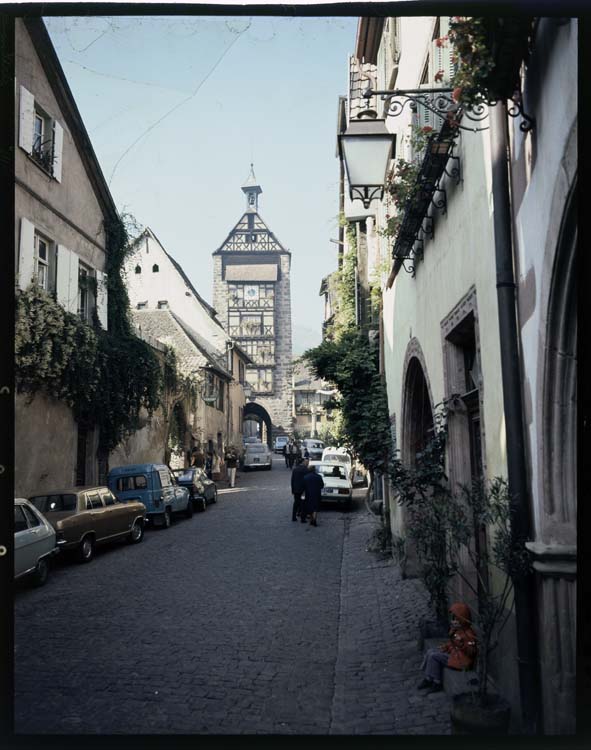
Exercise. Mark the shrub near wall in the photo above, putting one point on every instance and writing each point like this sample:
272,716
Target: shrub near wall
104,378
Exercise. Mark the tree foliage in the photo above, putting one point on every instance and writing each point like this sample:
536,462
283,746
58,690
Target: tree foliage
349,364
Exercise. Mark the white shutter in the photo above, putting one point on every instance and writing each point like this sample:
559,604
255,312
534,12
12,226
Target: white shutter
58,141
26,120
26,256
67,279
102,299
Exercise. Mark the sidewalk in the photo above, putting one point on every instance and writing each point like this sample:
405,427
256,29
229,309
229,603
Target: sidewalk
378,663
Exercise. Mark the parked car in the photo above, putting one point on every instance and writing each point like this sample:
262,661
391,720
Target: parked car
337,454
314,448
337,481
202,491
34,542
155,486
250,440
257,456
86,516
280,441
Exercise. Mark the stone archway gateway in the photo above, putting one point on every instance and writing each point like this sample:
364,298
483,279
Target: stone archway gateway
256,412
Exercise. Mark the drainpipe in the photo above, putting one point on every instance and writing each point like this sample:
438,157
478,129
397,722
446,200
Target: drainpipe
525,600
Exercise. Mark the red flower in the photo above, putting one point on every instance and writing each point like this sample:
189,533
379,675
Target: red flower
441,41
438,76
456,93
426,129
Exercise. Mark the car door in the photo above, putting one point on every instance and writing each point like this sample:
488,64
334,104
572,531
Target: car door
117,515
180,494
166,488
24,542
96,515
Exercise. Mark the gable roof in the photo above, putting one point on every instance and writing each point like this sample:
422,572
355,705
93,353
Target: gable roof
210,310
63,94
251,223
192,351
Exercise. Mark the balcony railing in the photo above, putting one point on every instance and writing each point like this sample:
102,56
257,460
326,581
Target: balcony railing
235,303
429,192
246,331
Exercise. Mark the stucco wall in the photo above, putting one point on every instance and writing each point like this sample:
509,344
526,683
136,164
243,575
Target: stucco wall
74,196
45,440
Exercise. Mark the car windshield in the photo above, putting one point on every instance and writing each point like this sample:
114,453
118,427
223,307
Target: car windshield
54,503
183,475
338,472
315,445
256,448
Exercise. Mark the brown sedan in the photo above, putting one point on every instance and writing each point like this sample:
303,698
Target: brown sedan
85,516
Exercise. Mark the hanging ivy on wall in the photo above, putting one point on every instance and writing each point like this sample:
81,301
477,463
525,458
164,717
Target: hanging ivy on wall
106,377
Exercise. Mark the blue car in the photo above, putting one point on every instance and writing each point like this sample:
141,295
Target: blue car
156,487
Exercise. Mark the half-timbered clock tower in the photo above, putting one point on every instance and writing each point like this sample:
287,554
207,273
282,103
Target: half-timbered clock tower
251,295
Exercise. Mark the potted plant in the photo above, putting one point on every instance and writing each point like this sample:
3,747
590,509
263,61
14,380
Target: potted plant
485,506
423,491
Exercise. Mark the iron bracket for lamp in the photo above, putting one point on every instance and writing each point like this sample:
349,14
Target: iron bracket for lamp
441,103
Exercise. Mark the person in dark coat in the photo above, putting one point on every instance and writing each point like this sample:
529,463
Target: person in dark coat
297,490
313,484
286,454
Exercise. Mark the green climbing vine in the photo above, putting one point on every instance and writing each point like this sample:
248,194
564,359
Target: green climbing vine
106,377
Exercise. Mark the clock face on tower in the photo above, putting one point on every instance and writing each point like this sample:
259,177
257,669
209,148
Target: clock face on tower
251,292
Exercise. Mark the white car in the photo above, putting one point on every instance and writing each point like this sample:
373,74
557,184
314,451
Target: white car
34,542
314,448
280,441
337,455
337,481
257,456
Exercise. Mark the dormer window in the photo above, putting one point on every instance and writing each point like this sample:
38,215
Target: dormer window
163,304
138,269
142,305
155,268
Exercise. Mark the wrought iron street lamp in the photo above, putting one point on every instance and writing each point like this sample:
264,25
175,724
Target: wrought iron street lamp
366,148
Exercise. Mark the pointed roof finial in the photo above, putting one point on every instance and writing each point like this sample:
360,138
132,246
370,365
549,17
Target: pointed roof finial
251,181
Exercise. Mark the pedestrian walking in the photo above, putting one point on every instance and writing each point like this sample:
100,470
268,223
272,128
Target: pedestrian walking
313,484
297,490
291,454
459,652
216,466
286,454
231,457
208,464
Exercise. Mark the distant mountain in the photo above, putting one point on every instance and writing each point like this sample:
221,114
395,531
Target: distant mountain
304,338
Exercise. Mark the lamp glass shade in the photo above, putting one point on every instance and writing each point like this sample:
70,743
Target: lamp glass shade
367,149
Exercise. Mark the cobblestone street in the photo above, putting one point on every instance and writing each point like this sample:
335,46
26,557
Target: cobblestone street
237,621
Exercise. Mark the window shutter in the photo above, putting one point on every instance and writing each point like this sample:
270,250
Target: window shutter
26,257
26,120
67,279
102,299
58,141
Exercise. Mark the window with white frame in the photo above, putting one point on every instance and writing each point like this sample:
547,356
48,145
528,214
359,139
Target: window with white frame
85,296
42,249
40,134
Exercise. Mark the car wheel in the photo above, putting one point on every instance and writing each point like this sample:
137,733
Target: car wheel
167,518
86,549
137,532
203,503
214,499
41,573
189,511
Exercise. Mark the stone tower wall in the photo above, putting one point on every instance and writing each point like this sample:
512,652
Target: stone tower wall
279,405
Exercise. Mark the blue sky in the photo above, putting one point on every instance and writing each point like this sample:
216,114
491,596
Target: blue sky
261,89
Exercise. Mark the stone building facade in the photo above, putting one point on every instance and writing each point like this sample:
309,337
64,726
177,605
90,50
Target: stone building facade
252,298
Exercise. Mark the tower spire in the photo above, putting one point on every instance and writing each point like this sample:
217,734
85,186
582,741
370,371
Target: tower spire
252,191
